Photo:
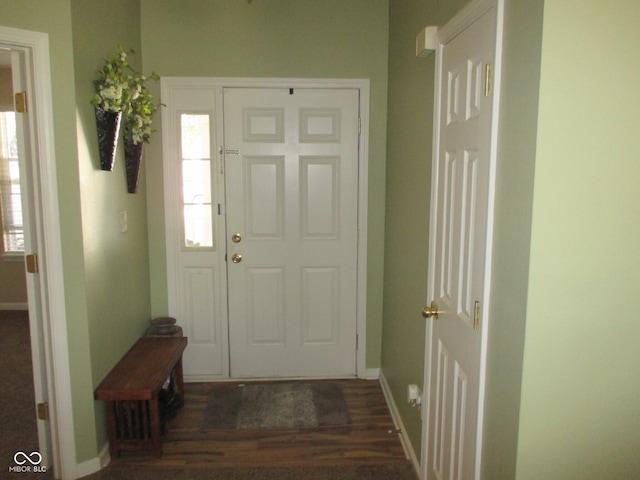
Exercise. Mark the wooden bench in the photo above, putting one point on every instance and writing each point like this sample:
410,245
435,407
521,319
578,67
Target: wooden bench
131,391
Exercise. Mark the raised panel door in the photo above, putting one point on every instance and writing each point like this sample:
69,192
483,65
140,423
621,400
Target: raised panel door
291,189
458,251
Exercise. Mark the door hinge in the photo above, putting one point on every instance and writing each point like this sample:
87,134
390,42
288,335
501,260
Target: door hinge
32,263
476,316
487,79
43,411
356,341
21,102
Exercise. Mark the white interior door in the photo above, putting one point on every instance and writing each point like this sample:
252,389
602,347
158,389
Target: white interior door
459,249
46,232
25,128
291,158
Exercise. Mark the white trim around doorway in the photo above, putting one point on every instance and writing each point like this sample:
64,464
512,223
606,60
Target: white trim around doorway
363,86
49,243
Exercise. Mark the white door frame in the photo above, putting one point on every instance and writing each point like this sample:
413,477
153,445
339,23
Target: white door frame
363,85
54,364
456,25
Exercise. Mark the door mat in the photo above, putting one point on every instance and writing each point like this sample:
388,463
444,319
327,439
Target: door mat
275,405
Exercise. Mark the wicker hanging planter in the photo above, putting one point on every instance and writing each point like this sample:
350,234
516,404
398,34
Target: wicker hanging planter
132,159
108,126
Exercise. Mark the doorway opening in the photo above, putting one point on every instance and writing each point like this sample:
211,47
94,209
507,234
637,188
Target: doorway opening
31,76
15,136
282,159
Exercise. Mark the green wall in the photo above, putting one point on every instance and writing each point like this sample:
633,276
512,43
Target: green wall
563,369
512,232
116,263
283,39
106,274
409,145
54,18
109,279
563,378
580,409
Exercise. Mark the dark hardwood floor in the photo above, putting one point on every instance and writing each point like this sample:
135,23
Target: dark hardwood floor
335,453
370,439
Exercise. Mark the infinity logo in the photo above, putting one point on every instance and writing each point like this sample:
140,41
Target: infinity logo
27,458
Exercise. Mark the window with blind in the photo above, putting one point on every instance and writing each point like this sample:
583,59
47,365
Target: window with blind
10,202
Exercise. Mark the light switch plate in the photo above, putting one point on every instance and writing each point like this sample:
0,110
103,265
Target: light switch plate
123,221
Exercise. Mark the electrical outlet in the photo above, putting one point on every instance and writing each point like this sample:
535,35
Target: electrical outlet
414,395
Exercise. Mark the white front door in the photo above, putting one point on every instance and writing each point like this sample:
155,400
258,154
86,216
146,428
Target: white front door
459,250
291,159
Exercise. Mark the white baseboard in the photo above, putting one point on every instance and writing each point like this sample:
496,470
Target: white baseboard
397,420
372,374
105,455
14,306
87,468
95,464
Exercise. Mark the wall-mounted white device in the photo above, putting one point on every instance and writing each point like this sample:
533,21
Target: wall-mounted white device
426,41
414,395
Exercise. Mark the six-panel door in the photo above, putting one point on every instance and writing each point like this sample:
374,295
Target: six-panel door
291,160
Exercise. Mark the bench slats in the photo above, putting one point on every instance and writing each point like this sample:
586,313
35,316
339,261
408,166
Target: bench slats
131,391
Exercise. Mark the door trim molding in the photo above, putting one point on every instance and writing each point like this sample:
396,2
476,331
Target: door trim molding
48,238
363,86
463,19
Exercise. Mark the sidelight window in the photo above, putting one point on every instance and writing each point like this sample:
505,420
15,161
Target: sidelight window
195,157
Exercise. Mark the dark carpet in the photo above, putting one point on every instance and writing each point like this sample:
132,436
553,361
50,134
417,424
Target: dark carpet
18,429
275,405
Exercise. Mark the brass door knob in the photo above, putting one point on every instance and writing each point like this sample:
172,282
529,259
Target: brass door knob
431,311
236,258
236,238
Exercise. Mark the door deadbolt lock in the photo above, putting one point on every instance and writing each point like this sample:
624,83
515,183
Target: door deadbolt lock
236,258
431,311
236,238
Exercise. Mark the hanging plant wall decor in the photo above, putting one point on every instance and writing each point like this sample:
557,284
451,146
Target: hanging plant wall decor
133,159
108,125
137,120
122,97
111,96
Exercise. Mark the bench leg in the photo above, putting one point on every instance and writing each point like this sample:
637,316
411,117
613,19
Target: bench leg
154,413
179,378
